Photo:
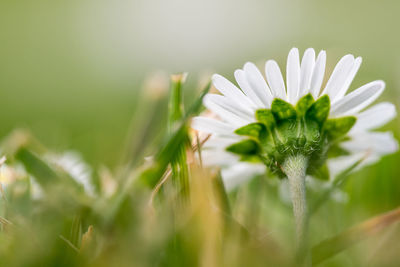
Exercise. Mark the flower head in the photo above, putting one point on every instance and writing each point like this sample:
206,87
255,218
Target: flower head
263,121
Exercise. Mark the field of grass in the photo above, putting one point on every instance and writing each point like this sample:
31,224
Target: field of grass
101,167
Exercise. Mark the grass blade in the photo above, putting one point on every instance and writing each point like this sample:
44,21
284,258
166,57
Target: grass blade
346,239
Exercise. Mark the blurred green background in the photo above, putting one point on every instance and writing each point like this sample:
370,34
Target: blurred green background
70,71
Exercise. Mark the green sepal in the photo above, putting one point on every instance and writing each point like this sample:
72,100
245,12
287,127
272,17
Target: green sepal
312,134
255,129
250,158
335,128
282,110
246,147
266,117
304,104
336,151
319,110
287,133
322,173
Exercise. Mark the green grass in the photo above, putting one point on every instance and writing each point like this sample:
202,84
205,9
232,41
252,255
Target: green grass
169,211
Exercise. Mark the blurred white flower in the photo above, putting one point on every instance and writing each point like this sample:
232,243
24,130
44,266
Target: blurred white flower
236,108
10,174
72,163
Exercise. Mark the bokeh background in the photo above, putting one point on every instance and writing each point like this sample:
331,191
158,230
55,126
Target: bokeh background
72,71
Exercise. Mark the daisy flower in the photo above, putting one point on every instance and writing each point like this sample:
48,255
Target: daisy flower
260,122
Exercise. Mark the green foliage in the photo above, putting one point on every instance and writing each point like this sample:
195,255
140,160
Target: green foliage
180,173
282,110
37,167
336,151
266,117
245,147
322,173
288,133
252,130
336,128
304,104
75,86
152,175
176,142
319,110
45,174
175,107
138,224
312,132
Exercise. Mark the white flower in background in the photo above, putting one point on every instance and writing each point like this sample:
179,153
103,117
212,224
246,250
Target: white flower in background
5,176
257,126
11,174
72,163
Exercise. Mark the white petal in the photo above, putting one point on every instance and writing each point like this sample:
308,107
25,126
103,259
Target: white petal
246,113
318,74
340,164
215,105
209,125
349,79
218,158
275,79
372,142
240,77
374,117
240,173
293,75
339,76
306,69
258,83
221,142
229,90
358,99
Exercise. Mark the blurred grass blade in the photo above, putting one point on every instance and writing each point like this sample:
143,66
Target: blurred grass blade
221,194
344,240
38,168
87,239
180,172
338,182
42,171
152,175
175,107
76,231
167,154
146,117
5,222
196,106
69,243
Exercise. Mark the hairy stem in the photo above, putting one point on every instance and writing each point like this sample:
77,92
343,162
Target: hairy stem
295,169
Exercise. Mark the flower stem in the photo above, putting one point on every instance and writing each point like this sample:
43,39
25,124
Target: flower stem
295,169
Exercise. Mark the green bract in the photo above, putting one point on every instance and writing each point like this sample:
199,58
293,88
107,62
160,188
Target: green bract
284,131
